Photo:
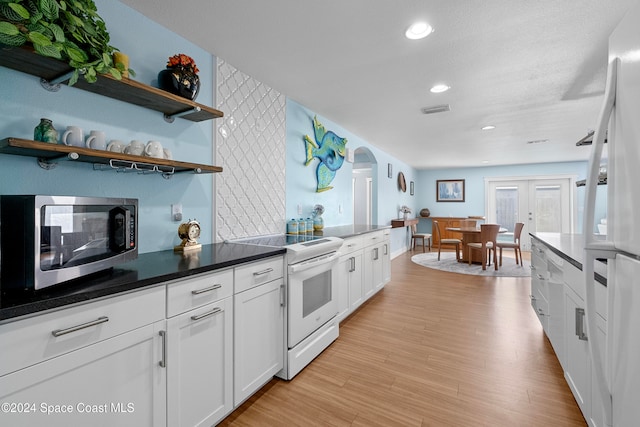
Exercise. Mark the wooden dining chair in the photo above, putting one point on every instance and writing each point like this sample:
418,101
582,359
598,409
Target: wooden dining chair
515,245
487,243
450,242
425,237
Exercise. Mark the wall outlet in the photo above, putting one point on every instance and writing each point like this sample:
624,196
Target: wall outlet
299,209
176,212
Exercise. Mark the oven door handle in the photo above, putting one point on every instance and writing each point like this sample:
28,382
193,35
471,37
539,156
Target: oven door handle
306,265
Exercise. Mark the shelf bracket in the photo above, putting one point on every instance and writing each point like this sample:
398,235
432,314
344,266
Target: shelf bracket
49,163
53,85
169,118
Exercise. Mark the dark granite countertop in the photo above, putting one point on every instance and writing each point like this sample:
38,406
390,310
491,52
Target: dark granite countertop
570,247
346,231
147,270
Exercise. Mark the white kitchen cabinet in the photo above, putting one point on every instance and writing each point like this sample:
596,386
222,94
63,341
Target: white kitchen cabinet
386,257
259,329
577,370
200,365
372,263
114,382
350,284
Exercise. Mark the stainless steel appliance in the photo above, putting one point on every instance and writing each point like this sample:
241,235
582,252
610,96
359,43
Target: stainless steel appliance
47,240
312,294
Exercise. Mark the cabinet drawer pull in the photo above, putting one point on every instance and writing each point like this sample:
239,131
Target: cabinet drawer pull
540,276
265,271
60,332
207,314
209,289
163,337
582,336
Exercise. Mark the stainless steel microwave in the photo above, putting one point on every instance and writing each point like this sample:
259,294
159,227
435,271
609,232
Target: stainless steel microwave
47,240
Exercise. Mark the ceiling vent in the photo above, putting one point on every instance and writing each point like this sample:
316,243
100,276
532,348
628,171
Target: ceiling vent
436,109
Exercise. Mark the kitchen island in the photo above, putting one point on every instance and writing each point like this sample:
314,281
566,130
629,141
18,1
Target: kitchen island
558,299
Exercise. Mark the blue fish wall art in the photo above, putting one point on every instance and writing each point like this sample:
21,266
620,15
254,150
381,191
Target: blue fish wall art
329,148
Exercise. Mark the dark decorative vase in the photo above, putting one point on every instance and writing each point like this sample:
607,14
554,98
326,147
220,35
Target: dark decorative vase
45,132
179,81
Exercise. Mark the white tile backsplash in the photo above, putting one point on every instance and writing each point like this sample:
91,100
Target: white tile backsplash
250,146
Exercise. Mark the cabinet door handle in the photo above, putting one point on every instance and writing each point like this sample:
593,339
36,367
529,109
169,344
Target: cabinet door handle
353,265
163,361
580,324
282,296
386,249
60,332
265,271
375,258
207,314
209,289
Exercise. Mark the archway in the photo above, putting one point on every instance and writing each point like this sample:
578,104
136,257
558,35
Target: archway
365,187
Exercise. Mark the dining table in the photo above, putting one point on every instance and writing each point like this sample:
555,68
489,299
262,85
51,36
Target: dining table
471,235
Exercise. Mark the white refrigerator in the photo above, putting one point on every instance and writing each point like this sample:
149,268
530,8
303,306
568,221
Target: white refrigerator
616,362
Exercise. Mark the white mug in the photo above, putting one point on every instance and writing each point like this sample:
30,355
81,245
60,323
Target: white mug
73,136
154,149
167,154
135,148
97,140
115,146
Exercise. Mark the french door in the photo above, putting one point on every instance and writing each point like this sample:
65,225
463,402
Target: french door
543,205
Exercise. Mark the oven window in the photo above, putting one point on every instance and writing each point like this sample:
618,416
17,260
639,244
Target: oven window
316,292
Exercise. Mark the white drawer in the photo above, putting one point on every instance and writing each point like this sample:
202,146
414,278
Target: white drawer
30,341
373,238
196,291
258,273
350,245
386,233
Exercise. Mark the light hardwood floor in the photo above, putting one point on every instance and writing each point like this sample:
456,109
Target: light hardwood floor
431,349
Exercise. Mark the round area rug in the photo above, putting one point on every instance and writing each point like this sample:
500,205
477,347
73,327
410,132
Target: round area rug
448,263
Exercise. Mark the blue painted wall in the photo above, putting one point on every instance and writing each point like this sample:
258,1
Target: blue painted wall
475,189
149,45
301,179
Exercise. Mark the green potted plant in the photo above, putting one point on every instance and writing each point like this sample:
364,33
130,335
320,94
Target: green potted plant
69,30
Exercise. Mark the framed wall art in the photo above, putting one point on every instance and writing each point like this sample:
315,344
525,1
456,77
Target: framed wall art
450,190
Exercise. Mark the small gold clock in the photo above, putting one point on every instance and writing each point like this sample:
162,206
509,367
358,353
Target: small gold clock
189,232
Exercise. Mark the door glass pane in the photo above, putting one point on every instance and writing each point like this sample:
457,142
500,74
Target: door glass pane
548,208
316,292
507,207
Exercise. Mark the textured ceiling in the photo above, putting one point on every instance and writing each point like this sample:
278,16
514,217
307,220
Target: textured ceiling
534,69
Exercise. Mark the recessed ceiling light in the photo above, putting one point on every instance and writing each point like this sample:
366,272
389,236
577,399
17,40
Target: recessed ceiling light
488,127
440,88
419,30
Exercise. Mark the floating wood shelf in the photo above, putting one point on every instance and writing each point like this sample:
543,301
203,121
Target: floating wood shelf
50,70
47,153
